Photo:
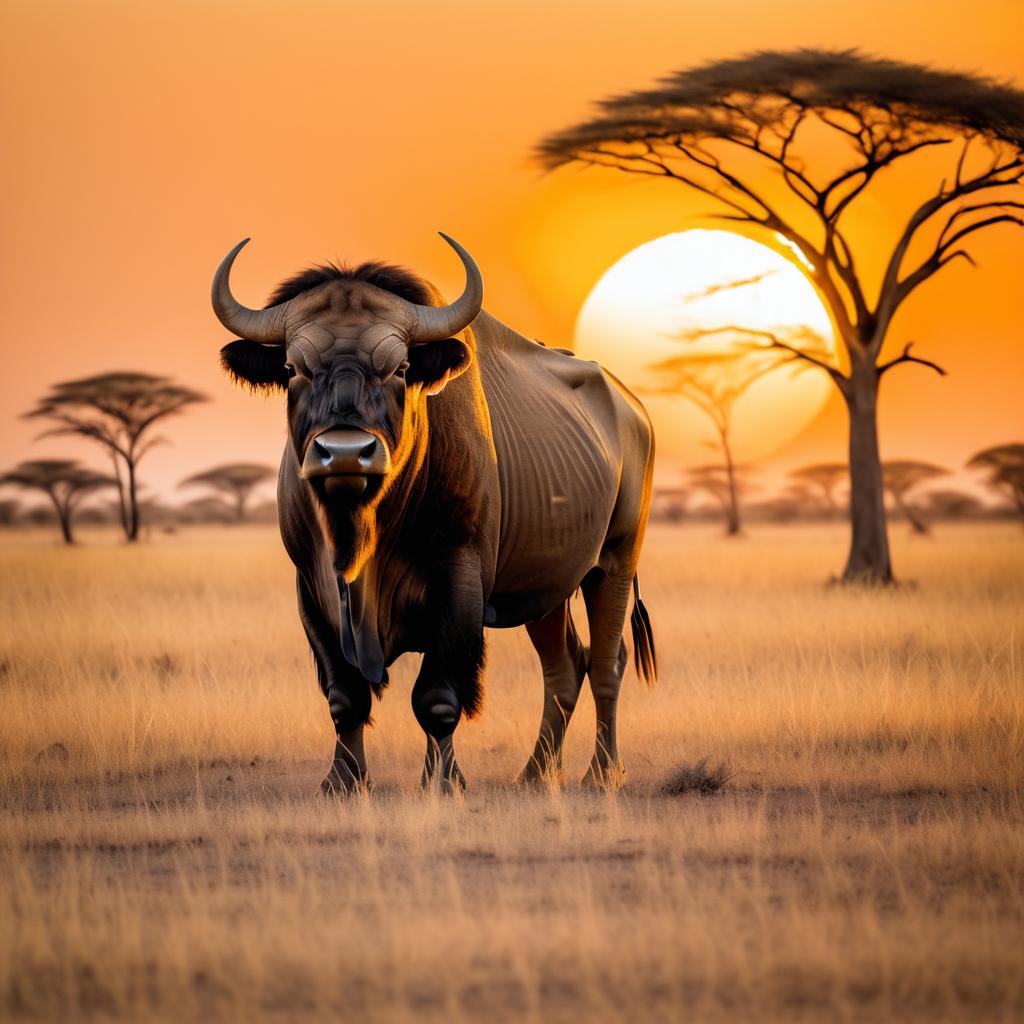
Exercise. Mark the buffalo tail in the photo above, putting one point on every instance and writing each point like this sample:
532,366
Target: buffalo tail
643,638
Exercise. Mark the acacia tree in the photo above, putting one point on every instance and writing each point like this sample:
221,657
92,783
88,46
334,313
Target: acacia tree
901,477
740,132
1004,471
726,487
9,509
713,382
64,482
117,410
824,477
950,503
238,480
207,510
670,503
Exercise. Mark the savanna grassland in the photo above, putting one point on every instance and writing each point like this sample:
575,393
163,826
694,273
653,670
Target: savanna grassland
163,855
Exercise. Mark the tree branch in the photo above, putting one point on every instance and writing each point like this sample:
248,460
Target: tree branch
892,291
906,357
775,342
868,169
942,256
965,211
623,162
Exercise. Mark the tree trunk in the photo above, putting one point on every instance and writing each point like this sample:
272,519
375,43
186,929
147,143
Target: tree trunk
868,561
916,524
732,508
133,504
120,492
64,518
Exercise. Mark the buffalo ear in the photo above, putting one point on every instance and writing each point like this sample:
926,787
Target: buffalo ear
434,363
259,366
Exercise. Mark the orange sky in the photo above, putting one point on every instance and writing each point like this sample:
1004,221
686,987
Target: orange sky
142,140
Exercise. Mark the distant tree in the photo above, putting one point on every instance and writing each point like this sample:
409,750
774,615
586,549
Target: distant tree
783,508
669,503
901,477
737,132
796,499
1004,471
713,382
725,486
40,515
117,410
950,503
206,510
65,483
824,478
237,480
9,509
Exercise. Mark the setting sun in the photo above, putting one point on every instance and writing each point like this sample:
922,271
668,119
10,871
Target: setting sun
706,280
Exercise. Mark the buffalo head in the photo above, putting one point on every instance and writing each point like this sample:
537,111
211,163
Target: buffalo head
355,360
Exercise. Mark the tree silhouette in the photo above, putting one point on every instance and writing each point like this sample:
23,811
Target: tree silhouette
737,131
207,510
9,509
950,503
824,478
669,503
713,381
726,486
1004,471
64,482
118,410
901,477
237,480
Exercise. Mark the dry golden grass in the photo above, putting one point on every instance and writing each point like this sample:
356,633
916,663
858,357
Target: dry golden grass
865,861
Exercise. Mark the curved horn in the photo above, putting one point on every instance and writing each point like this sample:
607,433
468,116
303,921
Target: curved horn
263,325
435,323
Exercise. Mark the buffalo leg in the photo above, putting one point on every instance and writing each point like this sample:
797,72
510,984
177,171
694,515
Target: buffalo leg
451,677
607,598
438,708
348,698
563,661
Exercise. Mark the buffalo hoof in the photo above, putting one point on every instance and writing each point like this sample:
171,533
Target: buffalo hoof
338,785
540,775
608,778
446,785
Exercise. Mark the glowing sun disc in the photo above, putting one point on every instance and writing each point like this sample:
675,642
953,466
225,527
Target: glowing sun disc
675,283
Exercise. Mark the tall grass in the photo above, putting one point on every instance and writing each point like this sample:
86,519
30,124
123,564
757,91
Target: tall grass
190,652
864,862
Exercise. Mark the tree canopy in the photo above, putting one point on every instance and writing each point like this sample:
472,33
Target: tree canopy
825,476
236,479
693,121
1004,470
118,411
63,481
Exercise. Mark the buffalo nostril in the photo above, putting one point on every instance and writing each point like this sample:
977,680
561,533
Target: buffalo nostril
445,713
368,451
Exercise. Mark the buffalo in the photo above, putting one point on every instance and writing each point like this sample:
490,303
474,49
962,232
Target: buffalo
443,474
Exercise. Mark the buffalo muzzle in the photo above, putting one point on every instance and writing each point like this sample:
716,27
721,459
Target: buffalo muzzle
344,459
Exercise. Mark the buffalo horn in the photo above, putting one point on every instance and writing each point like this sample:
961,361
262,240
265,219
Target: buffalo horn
435,323
263,325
